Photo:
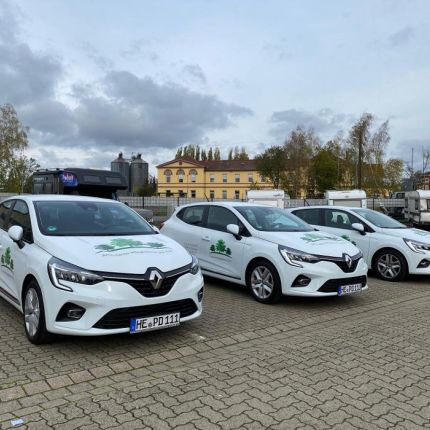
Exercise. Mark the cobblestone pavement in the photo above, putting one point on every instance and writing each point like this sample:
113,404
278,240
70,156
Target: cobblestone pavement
353,362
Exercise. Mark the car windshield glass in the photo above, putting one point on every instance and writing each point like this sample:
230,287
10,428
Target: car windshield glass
272,219
378,219
89,218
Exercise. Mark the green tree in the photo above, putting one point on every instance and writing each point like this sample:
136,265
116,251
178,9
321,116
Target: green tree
217,154
272,164
228,251
20,171
212,248
7,256
324,170
230,154
393,173
11,264
204,156
179,152
210,154
220,246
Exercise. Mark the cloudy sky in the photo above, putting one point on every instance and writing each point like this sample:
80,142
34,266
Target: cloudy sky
92,78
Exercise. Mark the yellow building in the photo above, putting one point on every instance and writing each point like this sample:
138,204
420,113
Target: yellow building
218,179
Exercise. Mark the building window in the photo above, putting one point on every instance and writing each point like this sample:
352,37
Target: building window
168,175
212,178
237,194
181,193
168,193
262,179
250,178
224,194
211,194
224,177
181,175
237,177
193,174
193,194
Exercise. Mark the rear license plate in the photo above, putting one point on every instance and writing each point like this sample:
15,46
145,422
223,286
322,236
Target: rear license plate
348,289
138,325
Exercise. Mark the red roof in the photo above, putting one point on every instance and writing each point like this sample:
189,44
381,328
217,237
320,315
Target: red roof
217,165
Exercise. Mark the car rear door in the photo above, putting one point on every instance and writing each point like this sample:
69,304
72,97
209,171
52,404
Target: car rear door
220,252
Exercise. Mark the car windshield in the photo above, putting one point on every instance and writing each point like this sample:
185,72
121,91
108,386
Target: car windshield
272,219
378,219
89,218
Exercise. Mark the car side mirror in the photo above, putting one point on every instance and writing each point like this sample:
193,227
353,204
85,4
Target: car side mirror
16,233
234,230
358,227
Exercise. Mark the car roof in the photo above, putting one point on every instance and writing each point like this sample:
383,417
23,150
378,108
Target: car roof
57,197
227,204
325,207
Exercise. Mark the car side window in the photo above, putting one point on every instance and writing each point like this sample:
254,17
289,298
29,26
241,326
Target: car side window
311,216
219,218
335,218
193,215
20,216
4,213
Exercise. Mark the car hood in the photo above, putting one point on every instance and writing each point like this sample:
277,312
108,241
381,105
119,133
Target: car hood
312,242
409,233
124,254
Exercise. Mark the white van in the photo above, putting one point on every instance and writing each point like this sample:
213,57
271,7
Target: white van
351,198
417,210
273,198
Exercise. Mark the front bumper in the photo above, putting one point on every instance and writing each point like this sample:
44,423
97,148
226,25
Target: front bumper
110,305
324,278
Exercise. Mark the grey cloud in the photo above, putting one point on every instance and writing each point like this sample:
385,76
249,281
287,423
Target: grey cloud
139,111
140,48
195,72
401,37
99,60
323,121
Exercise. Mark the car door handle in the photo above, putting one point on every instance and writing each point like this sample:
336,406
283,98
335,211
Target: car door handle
206,238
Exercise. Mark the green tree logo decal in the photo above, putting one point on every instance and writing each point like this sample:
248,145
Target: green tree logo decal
346,237
122,243
6,259
220,248
313,237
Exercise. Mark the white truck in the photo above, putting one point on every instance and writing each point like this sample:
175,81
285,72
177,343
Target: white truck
273,198
417,210
352,198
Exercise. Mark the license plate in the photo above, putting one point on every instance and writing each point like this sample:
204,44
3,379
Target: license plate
349,289
138,325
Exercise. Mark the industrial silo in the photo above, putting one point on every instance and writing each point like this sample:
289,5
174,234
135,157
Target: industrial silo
122,166
138,173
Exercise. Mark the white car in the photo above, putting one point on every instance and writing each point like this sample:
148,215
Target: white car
272,252
391,249
88,266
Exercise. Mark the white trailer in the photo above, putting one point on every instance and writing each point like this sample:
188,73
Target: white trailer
273,198
417,210
354,198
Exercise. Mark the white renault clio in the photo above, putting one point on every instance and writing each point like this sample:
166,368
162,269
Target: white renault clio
88,266
389,247
269,250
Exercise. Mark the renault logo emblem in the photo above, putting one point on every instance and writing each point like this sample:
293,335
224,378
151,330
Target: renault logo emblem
348,260
156,279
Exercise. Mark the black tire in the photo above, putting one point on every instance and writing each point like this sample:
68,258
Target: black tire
394,259
273,282
36,333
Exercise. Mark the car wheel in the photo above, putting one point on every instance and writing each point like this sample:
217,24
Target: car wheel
264,282
34,315
390,265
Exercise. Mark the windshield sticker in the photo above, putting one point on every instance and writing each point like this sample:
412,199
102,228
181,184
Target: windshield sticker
313,237
421,232
51,228
131,244
6,260
220,248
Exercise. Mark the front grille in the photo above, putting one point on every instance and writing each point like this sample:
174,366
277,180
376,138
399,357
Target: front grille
341,263
120,318
142,284
332,285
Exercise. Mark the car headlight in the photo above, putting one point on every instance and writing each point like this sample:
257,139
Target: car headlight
59,271
194,266
294,257
419,247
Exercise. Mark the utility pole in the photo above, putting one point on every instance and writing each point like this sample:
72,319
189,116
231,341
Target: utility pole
360,161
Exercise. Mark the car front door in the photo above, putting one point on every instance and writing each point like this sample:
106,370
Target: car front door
221,252
14,258
5,286
339,222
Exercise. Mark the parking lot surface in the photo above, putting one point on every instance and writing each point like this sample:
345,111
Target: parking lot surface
361,361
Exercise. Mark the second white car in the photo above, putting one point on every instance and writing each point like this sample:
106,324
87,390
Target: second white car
271,251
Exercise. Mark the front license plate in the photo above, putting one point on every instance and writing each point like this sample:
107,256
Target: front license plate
138,325
349,289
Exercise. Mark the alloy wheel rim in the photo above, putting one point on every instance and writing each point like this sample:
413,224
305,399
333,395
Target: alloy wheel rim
32,312
389,266
262,282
